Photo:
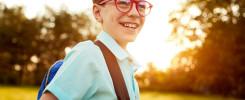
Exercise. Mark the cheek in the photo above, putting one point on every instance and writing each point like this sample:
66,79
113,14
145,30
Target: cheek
113,19
142,20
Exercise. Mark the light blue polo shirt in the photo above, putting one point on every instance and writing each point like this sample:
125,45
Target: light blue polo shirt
84,74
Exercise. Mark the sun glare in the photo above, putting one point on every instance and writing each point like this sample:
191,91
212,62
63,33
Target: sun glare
67,50
150,46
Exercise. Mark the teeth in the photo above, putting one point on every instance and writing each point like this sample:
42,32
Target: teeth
130,25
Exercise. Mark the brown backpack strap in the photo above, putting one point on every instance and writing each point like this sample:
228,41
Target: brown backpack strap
115,72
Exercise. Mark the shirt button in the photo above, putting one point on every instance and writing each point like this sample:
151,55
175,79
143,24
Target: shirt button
130,60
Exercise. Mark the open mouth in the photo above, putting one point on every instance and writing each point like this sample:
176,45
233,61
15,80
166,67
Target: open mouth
130,25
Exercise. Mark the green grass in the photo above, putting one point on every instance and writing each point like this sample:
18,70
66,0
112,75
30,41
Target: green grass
18,93
30,93
147,95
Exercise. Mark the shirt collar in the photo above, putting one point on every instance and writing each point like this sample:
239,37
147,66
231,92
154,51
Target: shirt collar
112,45
137,65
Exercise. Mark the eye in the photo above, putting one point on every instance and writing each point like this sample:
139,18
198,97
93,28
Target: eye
124,3
142,6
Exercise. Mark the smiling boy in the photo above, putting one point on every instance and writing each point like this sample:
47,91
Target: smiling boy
84,74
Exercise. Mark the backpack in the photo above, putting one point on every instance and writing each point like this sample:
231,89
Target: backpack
49,76
113,67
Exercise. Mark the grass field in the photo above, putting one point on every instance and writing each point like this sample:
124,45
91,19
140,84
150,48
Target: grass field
18,93
30,93
178,96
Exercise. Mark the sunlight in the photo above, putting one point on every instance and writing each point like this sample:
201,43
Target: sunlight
163,60
34,59
150,46
67,50
194,10
185,19
17,67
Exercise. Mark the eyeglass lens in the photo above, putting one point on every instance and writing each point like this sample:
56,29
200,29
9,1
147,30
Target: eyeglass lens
143,7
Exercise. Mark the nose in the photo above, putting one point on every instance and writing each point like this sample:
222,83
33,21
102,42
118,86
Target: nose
133,12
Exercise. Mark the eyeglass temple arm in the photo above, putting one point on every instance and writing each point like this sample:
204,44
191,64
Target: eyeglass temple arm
151,5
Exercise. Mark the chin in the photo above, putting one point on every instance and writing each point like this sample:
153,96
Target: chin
131,40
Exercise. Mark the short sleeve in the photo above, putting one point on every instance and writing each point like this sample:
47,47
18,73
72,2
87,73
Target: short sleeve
76,79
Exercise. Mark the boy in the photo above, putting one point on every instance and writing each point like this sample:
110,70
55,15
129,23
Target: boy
84,74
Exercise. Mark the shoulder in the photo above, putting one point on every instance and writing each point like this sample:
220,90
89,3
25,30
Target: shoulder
84,61
85,58
84,49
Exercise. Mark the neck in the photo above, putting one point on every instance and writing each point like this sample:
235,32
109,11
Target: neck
123,45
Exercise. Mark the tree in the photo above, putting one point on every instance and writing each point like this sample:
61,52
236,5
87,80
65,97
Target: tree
30,46
18,42
216,29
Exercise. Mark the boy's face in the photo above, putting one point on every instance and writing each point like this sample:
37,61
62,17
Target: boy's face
123,27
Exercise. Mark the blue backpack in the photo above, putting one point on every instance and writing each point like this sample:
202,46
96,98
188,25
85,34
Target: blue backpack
112,65
49,76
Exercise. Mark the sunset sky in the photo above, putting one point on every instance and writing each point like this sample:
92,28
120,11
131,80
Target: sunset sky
151,43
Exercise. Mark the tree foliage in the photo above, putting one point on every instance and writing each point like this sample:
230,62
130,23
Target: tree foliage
30,46
215,62
218,64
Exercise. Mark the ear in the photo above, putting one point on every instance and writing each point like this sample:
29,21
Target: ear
97,13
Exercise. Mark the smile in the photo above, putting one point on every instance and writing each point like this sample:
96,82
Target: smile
130,25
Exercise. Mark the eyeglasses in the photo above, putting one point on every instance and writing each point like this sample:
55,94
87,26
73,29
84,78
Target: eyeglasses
124,6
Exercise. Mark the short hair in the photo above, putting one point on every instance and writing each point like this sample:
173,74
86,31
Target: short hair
97,1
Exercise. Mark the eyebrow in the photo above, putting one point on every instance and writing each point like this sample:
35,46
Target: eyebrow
104,1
